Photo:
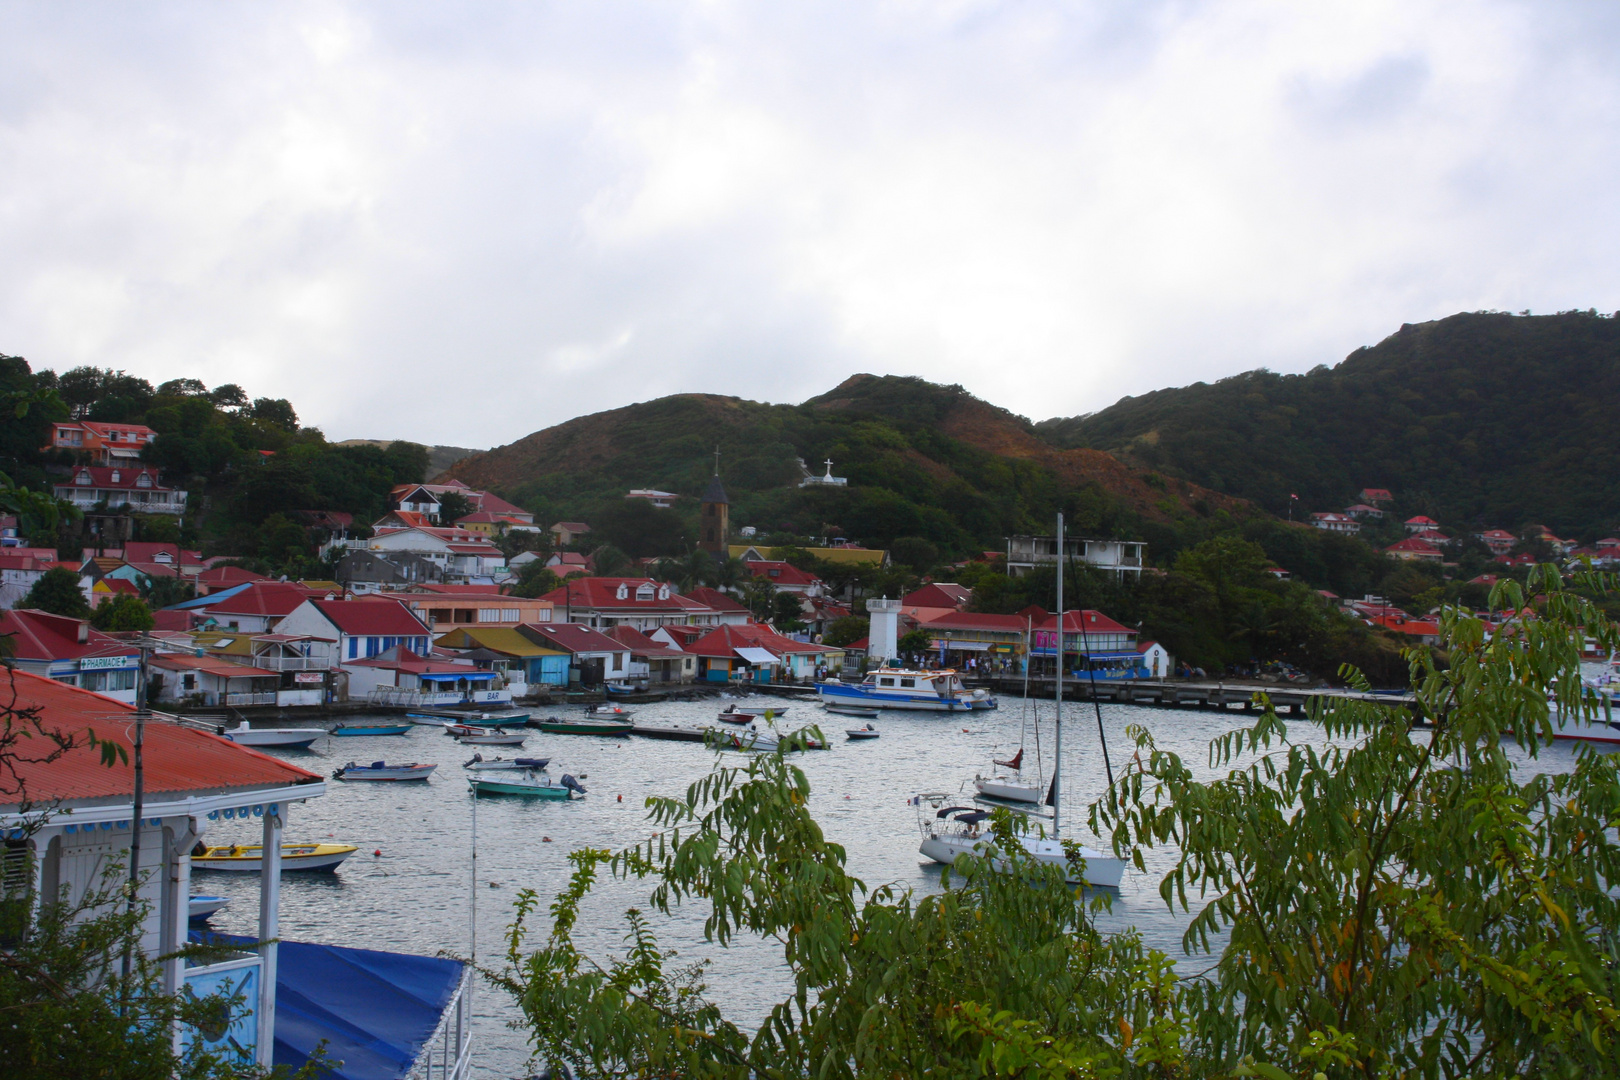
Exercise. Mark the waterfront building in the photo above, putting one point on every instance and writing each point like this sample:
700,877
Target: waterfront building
526,663
476,606
606,602
654,661
593,657
958,637
72,652
1093,644
362,628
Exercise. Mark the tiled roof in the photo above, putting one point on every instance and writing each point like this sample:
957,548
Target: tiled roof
176,760
939,594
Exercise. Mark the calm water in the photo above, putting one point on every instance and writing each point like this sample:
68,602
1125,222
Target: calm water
414,896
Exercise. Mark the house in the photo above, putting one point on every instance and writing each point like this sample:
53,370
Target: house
1414,548
1433,536
1375,496
363,628
986,640
426,500
1421,524
932,601
605,602
401,676
663,500
105,443
305,665
1338,523
1487,580
1092,644
460,554
567,564
163,554
593,656
1119,557
107,588
442,611
848,554
564,533
1364,512
1426,631
377,571
335,522
527,664
8,530
1499,541
488,523
755,653
258,608
219,578
212,681
22,570
1156,659
654,661
718,608
787,577
120,487
818,613
72,652
681,637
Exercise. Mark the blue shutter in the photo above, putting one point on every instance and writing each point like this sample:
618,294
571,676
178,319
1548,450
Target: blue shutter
354,647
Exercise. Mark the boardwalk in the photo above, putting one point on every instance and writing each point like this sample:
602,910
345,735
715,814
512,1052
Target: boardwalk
1195,695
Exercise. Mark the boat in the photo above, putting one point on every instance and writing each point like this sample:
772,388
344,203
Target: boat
867,732
859,712
1007,788
500,764
624,686
731,714
483,718
534,784
492,737
202,908
293,738
672,734
949,831
905,688
555,726
371,729
767,739
379,770
604,710
244,858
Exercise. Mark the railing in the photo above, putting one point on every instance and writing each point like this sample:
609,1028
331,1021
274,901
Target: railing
251,699
290,663
393,695
447,1054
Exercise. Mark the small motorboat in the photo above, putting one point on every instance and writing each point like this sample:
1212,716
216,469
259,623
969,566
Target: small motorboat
244,858
293,738
624,686
534,784
860,712
371,729
202,908
767,739
486,718
748,714
379,770
478,764
554,726
867,732
603,710
492,737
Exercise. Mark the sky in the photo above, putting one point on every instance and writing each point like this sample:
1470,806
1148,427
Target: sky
460,223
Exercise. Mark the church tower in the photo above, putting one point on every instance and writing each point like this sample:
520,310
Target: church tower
714,520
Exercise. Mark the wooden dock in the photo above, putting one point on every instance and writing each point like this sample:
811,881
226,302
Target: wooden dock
1178,694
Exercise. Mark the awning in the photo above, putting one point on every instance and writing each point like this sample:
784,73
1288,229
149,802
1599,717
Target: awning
758,656
950,645
452,676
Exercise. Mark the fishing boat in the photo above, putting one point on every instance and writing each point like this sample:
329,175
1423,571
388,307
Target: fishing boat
904,688
371,729
623,686
482,718
949,831
286,738
500,764
1009,788
244,858
555,726
867,732
379,770
202,908
602,710
492,737
534,784
859,712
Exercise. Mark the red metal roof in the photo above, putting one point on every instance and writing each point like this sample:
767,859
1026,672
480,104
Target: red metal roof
715,600
640,644
39,635
271,599
382,616
409,661
939,594
102,477
1095,623
1412,543
967,620
210,666
723,641
602,594
178,761
570,637
781,573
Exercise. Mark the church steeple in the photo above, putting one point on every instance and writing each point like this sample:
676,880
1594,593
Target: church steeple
715,514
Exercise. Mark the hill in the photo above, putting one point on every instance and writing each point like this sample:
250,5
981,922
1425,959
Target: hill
922,460
1477,420
440,458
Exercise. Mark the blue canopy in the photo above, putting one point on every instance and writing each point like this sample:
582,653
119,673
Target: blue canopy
376,1010
452,676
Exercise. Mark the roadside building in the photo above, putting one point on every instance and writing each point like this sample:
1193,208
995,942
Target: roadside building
1156,659
1375,496
211,681
654,661
974,642
1092,644
527,663
936,599
362,628
755,653
385,571
1364,512
72,652
219,578
402,676
663,500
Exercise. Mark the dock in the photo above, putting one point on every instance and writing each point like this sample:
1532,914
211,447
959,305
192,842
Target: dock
1176,694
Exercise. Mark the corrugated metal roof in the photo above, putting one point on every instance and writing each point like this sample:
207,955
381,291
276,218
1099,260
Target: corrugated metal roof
178,761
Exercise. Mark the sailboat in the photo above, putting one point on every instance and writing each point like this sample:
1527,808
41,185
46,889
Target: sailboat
956,830
1007,788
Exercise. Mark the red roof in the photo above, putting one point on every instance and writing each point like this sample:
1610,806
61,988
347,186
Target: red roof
119,585
570,637
1404,625
273,599
716,600
1414,544
102,477
939,594
176,760
1421,520
24,562
458,590
1484,579
224,577
148,551
966,620
640,644
724,641
602,594
1499,534
573,526
210,666
380,617
39,635
407,660
494,504
781,573
1095,623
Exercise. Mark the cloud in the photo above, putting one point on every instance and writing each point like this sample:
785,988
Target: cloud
463,223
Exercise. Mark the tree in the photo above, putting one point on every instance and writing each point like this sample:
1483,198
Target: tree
57,591
453,506
915,643
786,612
535,579
162,592
914,552
845,631
228,396
121,612
609,561
277,412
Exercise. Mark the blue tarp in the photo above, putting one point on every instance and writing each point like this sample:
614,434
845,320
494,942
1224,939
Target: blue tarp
376,1010
211,598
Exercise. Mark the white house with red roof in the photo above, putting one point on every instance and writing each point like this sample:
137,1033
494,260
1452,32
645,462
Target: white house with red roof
1414,548
259,607
1420,524
1375,496
1500,541
961,636
935,599
402,676
363,628
787,577
756,653
593,657
1364,512
719,609
73,652
212,681
654,661
1338,523
22,571
1093,644
120,487
606,602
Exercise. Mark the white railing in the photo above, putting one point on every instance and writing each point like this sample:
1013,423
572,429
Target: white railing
290,663
393,695
447,1054
251,699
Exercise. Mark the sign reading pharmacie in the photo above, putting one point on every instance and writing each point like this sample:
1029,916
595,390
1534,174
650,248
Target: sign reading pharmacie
102,663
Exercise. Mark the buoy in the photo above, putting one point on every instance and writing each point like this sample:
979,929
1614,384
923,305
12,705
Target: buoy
621,798
377,854
545,839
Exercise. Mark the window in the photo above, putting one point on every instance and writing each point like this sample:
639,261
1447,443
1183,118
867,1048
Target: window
498,615
84,479
354,648
908,683
618,661
188,681
623,592
372,648
465,615
644,592
885,682
144,480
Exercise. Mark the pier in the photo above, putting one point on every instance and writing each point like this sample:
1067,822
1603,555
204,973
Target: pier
1177,694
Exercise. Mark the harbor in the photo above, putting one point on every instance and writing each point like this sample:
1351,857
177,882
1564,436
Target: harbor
408,888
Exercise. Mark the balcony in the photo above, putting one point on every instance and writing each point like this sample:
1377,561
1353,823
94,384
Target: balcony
249,699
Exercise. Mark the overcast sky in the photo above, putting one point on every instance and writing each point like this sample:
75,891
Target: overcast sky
458,223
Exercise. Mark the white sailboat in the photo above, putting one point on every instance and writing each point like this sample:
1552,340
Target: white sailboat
1015,788
956,830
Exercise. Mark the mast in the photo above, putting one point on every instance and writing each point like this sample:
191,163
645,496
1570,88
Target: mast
1057,750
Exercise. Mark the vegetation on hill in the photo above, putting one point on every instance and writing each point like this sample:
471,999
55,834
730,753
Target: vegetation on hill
1478,421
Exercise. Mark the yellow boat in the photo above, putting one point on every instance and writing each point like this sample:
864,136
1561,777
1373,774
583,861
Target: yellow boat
245,857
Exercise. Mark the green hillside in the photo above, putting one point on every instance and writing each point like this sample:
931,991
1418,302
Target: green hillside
1478,420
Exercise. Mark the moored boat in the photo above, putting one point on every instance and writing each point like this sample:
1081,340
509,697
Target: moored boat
482,718
859,712
379,770
245,858
491,737
499,764
555,726
904,688
286,738
202,908
867,732
603,710
534,784
732,714
370,729
1009,788
956,830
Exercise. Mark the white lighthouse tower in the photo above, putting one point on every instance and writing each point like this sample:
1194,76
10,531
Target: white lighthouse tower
884,636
